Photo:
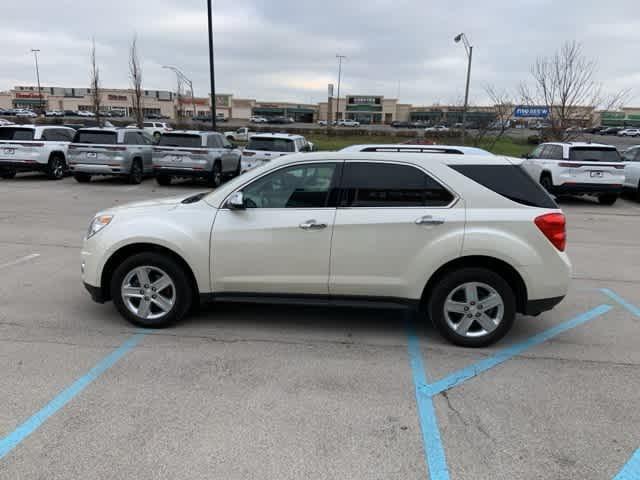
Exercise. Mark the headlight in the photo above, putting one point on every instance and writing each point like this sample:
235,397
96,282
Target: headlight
98,223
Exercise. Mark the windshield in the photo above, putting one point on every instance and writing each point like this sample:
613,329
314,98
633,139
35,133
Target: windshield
271,144
9,133
594,154
96,138
180,140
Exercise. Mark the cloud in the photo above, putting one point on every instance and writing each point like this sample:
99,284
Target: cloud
285,49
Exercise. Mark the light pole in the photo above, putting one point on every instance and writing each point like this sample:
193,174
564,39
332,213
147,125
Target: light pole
339,57
469,49
212,77
183,77
35,56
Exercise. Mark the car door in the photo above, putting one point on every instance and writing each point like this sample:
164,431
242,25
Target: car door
280,243
632,168
394,223
147,151
534,162
231,156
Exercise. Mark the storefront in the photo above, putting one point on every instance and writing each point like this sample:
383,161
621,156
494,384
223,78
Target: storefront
364,109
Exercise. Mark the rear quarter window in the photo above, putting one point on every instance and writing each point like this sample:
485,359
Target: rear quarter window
509,181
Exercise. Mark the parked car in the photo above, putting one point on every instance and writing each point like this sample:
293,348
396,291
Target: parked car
258,120
631,158
407,148
192,154
122,152
437,129
323,123
610,130
593,129
70,113
348,123
578,168
399,124
242,134
118,113
202,118
480,242
264,147
4,122
629,132
31,148
25,113
154,129
85,113
54,113
280,120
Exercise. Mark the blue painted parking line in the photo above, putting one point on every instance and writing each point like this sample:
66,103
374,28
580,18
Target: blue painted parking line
502,356
631,471
617,298
434,451
14,439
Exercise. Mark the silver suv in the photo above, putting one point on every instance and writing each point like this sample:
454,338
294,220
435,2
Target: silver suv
29,148
195,154
110,151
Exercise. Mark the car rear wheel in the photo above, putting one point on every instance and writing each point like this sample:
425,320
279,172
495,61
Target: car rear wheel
163,180
151,290
607,199
136,174
545,181
8,174
472,307
56,167
82,177
215,177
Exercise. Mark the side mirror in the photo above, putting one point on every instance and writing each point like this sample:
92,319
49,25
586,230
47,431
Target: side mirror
236,202
525,155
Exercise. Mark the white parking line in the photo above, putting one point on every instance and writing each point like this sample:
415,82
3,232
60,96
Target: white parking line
20,260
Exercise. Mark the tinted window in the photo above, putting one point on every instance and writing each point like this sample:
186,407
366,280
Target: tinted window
537,152
180,140
131,138
95,137
213,141
65,135
10,133
594,154
301,186
225,143
271,144
148,124
510,181
389,185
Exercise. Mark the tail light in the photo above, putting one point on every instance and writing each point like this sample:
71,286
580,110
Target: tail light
248,154
553,226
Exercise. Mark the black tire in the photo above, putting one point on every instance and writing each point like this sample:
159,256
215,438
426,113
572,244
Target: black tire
545,181
183,290
163,180
608,199
136,175
57,167
8,174
82,177
452,281
215,177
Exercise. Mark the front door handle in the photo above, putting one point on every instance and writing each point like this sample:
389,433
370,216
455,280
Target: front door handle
312,225
429,220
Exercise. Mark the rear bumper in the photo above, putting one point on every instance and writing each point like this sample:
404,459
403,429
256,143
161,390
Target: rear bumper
98,169
536,307
181,172
588,188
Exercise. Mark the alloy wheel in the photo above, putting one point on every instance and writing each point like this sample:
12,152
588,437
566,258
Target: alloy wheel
473,309
148,292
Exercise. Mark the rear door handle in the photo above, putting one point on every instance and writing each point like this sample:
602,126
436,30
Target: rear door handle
429,220
312,225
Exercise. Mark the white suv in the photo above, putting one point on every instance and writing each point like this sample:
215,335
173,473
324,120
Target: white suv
578,168
468,241
264,147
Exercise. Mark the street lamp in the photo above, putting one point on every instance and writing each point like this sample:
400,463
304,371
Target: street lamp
212,77
339,57
35,56
469,49
181,76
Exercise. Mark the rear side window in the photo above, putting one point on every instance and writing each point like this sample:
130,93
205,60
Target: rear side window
510,181
271,144
594,154
9,133
95,137
180,140
390,185
213,141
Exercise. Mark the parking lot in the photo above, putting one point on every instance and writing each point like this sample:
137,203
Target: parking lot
254,392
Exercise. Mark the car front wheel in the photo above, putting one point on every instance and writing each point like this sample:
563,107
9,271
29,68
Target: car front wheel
151,290
472,307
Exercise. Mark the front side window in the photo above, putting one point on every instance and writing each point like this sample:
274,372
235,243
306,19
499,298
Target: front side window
300,186
390,185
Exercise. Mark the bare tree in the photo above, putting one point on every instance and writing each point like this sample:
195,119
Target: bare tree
491,130
96,93
135,75
565,83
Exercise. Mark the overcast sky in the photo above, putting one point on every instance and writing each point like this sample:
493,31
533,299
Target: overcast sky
285,49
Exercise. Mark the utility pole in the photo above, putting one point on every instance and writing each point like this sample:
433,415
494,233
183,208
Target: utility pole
35,55
339,57
469,49
211,70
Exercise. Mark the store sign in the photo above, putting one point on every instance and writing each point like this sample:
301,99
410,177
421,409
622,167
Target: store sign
524,111
27,95
358,100
223,101
117,98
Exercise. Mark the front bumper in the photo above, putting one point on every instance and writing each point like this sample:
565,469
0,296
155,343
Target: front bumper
97,295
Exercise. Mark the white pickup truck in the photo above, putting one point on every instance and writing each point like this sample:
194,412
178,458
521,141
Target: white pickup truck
29,148
240,135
